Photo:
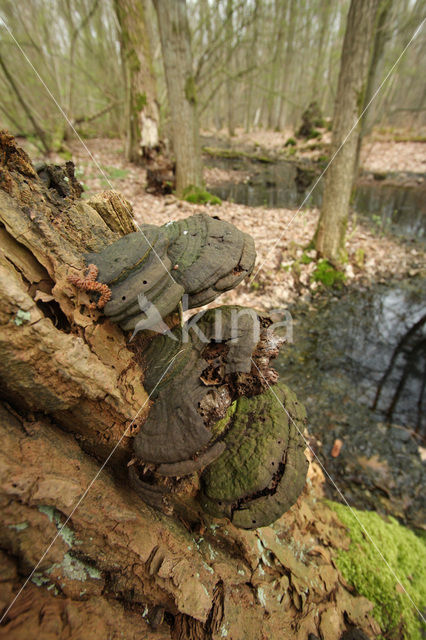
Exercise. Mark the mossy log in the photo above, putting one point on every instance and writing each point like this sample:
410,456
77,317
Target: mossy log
72,385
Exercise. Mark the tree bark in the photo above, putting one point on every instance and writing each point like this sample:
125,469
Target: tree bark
70,388
318,80
142,108
181,90
380,39
230,105
250,49
287,78
279,10
330,233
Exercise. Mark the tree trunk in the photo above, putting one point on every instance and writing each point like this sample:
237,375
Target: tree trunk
181,90
142,109
330,233
252,47
279,9
230,97
70,388
380,39
287,76
318,79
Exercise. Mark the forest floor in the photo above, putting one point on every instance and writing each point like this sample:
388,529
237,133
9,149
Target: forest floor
285,271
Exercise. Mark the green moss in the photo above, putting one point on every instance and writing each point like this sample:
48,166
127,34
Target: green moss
327,274
305,259
363,567
140,101
65,154
291,142
134,62
198,195
410,138
221,425
360,100
360,257
191,90
314,133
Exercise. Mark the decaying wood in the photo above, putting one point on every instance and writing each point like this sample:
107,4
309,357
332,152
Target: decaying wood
70,388
114,210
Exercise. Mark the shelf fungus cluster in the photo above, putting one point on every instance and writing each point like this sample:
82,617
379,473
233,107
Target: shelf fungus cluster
223,435
199,256
221,424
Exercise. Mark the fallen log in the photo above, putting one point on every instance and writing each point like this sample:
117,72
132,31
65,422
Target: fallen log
72,385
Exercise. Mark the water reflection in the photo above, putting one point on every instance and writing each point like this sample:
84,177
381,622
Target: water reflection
399,209
379,338
358,363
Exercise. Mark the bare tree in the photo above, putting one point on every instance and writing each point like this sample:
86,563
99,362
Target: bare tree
37,128
69,44
380,38
330,233
181,89
142,108
256,63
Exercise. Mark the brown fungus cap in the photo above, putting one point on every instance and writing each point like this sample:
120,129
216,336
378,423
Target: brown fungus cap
215,413
200,256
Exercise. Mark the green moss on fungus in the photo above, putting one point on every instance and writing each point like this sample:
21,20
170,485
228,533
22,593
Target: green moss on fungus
363,567
222,424
262,471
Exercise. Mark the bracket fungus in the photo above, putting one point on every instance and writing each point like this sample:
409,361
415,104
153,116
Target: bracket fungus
263,467
217,418
200,256
221,430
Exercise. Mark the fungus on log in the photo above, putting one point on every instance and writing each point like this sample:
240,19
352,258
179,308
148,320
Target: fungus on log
215,411
200,256
70,391
263,468
198,373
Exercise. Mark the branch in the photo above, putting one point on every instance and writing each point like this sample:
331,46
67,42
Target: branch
38,130
98,114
